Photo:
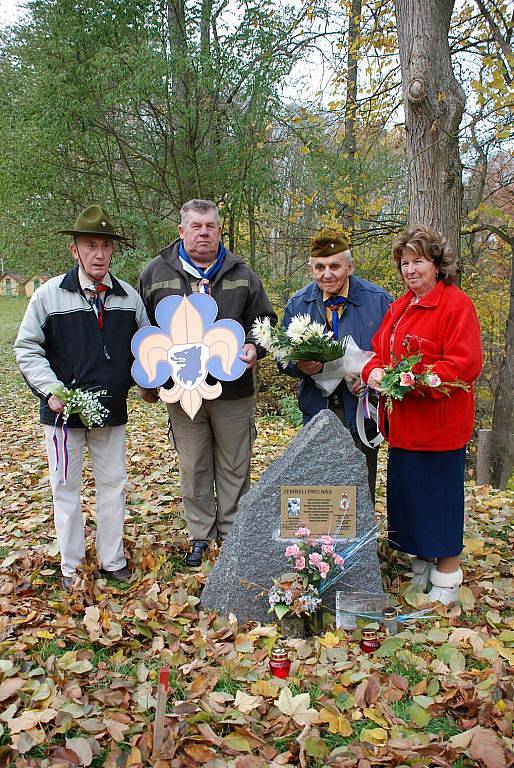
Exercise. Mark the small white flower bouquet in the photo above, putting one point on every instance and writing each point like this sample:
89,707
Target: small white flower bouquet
303,339
86,405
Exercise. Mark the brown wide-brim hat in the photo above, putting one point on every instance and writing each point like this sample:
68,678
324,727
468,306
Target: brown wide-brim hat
93,221
328,242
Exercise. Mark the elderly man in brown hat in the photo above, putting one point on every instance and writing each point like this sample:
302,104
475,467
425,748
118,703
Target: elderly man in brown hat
76,333
345,304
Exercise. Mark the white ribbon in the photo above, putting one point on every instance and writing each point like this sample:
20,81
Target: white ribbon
373,414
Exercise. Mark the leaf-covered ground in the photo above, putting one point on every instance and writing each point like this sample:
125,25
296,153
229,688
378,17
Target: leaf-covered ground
78,674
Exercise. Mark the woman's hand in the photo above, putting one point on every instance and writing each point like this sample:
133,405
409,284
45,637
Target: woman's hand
310,367
375,377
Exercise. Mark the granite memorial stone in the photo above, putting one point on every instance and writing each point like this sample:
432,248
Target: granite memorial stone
323,453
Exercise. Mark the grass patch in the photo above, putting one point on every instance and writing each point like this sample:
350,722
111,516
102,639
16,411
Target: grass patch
100,654
227,684
400,708
444,726
281,745
52,648
409,671
420,648
314,691
124,670
99,759
12,309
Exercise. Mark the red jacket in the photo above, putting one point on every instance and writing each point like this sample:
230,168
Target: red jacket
443,327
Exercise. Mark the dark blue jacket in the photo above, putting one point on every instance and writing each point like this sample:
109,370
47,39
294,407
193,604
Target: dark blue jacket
365,307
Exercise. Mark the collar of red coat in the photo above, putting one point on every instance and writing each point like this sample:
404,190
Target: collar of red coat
430,300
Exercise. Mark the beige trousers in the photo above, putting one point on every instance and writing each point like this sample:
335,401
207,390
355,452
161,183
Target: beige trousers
214,452
106,446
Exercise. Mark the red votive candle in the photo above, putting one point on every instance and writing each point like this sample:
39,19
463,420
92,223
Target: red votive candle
279,664
369,641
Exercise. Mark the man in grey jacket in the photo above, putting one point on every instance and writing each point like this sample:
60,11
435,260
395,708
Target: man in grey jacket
76,333
213,449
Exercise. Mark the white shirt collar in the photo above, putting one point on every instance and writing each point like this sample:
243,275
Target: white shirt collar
88,285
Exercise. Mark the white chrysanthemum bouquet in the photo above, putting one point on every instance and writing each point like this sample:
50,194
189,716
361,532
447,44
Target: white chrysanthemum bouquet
303,339
85,404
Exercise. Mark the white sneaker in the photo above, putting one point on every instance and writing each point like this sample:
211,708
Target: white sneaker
445,586
421,571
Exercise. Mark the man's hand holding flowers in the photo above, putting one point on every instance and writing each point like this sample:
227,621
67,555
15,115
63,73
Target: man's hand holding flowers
310,367
56,404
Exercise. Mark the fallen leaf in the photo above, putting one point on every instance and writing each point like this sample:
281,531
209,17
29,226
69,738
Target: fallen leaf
330,640
487,747
245,703
337,722
10,687
296,707
82,749
116,729
199,752
266,688
237,742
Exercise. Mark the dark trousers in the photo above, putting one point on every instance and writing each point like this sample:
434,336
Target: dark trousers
371,454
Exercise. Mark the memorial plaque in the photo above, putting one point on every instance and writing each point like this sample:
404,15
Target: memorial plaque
323,509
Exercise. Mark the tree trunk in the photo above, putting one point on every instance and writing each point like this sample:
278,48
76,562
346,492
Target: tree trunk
502,439
352,60
231,229
434,103
252,233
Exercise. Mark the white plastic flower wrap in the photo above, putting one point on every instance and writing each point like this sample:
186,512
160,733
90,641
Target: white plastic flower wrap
347,367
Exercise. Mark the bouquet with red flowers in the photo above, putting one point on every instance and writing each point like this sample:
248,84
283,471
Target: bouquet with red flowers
410,373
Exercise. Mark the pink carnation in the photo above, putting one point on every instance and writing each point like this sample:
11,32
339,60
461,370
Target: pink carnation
433,380
300,563
323,569
303,532
326,539
407,379
327,549
338,560
315,558
293,550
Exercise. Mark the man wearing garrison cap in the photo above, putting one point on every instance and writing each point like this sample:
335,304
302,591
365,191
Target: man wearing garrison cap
345,304
76,334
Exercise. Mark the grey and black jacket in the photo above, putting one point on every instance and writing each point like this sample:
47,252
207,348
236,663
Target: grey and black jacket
59,341
236,289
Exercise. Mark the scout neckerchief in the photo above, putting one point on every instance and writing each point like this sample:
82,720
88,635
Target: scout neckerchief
336,305
203,275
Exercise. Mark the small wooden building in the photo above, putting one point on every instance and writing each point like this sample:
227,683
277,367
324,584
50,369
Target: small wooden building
12,284
34,282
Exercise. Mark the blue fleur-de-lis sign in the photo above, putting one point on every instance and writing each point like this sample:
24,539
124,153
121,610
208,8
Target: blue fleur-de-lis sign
187,346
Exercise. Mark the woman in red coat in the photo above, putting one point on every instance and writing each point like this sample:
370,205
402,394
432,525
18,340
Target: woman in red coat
428,430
